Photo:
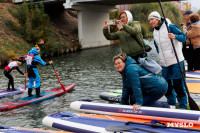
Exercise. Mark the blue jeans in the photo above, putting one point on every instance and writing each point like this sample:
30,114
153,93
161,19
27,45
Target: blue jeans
152,100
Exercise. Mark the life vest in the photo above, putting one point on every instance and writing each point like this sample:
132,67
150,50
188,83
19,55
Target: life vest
11,66
29,59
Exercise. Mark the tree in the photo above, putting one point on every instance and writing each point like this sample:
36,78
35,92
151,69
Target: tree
34,23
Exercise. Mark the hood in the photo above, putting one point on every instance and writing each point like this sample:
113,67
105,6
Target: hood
33,51
163,22
129,61
128,14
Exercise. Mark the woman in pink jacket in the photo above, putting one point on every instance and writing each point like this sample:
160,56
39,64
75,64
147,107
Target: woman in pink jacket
193,35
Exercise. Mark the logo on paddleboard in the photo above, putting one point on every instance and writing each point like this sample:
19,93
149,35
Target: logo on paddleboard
130,111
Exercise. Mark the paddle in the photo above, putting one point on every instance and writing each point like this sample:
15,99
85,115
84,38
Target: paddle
25,83
117,128
42,42
193,105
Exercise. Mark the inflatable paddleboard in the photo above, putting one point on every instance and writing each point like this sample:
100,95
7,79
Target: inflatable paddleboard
193,74
84,124
6,93
47,94
162,114
131,119
4,129
115,96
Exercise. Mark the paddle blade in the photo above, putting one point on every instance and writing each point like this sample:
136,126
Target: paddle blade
193,105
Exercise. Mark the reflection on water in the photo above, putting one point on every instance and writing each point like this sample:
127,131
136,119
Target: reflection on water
92,70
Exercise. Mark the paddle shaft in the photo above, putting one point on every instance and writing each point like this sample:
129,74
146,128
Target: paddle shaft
25,82
193,105
54,70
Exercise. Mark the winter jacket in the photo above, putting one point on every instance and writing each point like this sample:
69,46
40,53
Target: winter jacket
164,46
129,38
138,82
193,33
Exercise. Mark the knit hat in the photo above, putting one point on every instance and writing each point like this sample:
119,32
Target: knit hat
155,15
37,47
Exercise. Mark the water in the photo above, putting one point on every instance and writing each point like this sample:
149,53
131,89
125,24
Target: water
92,70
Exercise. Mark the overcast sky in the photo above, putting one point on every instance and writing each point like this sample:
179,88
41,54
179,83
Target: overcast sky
195,4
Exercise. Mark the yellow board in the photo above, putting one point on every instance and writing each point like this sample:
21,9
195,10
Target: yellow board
193,87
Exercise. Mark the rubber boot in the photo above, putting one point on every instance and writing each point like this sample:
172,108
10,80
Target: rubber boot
38,92
30,92
183,102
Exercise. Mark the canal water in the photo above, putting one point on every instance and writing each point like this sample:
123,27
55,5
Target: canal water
92,70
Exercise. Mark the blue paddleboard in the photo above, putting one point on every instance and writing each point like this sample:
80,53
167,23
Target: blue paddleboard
84,124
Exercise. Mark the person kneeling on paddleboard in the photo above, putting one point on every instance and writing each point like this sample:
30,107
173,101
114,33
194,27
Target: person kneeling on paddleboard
8,69
140,87
32,60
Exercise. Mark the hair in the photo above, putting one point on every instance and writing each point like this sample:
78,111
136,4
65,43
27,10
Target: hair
194,17
121,56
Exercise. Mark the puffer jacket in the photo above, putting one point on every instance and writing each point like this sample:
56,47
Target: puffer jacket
138,82
193,33
127,37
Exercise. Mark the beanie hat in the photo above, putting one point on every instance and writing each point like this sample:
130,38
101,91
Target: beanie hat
155,15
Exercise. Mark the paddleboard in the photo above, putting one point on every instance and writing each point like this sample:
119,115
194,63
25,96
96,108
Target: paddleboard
131,119
115,96
6,93
47,94
84,124
193,74
161,114
5,129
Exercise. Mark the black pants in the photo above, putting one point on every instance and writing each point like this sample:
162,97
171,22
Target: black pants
188,53
11,80
196,59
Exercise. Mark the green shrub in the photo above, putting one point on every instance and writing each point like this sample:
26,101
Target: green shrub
34,23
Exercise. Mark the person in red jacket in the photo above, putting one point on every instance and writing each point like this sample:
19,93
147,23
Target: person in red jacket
8,69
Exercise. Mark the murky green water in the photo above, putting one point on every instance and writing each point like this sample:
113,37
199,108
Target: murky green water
92,70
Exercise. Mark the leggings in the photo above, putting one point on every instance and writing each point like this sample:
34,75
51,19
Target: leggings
11,80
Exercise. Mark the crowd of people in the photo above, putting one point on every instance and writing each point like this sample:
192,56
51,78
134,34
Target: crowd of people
142,87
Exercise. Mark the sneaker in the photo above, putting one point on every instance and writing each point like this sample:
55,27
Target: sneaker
172,107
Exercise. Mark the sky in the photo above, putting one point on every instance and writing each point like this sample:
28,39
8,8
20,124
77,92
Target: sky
195,4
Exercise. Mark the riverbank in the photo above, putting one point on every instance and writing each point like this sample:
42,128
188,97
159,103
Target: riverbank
64,32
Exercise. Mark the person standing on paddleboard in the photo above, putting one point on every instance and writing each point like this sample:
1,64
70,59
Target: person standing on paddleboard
33,59
168,61
140,87
8,69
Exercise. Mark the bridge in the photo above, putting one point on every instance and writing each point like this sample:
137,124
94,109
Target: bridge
91,17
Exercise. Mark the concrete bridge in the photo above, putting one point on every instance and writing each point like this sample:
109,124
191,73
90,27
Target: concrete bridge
91,17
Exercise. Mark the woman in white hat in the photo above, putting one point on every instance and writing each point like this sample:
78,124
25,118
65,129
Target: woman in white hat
168,61
129,34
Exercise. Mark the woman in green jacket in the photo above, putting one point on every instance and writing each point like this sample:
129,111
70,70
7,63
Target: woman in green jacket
129,34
